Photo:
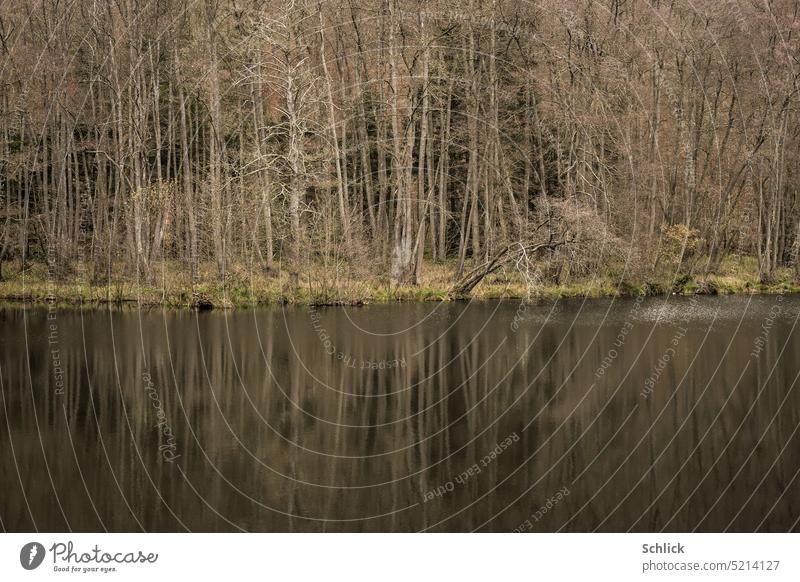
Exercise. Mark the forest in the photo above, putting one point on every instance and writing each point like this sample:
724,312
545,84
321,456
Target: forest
623,145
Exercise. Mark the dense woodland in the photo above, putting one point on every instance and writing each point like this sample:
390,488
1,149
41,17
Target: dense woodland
560,138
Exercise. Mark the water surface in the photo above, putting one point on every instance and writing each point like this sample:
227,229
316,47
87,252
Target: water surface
672,414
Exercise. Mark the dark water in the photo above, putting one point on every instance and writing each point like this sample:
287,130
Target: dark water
665,414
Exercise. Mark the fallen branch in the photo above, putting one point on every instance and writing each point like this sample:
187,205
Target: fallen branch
464,286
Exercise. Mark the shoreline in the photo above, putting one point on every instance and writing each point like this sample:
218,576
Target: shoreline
353,293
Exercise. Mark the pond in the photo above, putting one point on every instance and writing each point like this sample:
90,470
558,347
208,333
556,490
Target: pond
657,414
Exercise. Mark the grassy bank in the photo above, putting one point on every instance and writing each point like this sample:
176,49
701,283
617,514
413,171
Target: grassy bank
171,287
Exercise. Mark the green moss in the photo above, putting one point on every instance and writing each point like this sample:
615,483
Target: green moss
682,283
653,288
631,289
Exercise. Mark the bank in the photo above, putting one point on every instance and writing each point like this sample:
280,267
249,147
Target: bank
171,287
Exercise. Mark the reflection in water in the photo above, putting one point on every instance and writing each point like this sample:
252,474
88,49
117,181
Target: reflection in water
491,416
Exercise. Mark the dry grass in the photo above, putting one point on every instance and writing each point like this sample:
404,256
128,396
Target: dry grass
171,286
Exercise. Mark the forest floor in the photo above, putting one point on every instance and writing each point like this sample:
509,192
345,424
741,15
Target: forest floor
171,287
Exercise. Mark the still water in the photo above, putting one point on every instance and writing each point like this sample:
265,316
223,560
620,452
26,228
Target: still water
663,414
